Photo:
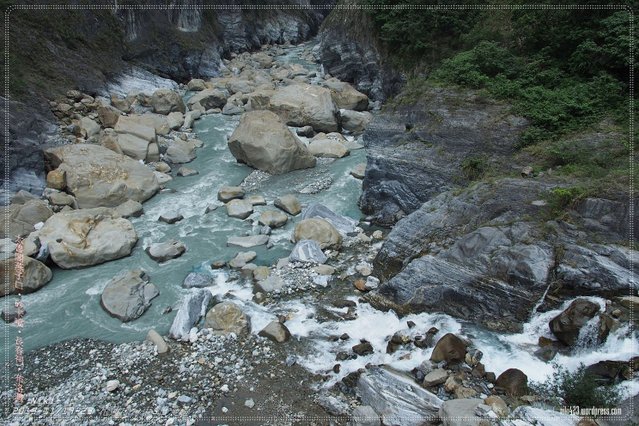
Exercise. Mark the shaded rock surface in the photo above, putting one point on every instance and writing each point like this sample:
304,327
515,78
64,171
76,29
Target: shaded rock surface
128,295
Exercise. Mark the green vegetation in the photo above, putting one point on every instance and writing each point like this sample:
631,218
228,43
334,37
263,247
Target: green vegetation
566,71
576,388
474,168
561,198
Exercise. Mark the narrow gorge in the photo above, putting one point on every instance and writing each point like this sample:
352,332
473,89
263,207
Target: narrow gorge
281,214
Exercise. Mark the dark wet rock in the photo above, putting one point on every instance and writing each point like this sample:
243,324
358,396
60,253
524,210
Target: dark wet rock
612,372
192,309
364,348
567,325
450,349
128,295
12,313
513,381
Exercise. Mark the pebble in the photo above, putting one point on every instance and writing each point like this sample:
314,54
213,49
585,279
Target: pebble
249,403
112,385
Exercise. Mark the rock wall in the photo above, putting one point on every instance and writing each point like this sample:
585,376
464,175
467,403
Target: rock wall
350,51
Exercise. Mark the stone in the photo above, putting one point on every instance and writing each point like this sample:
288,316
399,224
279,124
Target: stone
321,146
227,317
323,269
343,224
99,177
108,115
497,405
256,200
271,284
346,96
566,325
273,218
513,381
196,85
89,127
318,230
180,152
189,119
305,105
364,348
359,171
112,385
249,403
538,416
128,295
527,172
165,101
354,121
630,302
87,237
435,377
307,251
228,193
289,203
36,275
242,258
239,209
185,171
130,208
450,349
175,120
198,280
276,331
397,398
170,217
249,241
57,198
161,252
193,307
207,99
306,131
56,179
364,415
262,140
12,313
460,412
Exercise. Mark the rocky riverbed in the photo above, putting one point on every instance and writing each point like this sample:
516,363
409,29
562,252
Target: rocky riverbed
230,277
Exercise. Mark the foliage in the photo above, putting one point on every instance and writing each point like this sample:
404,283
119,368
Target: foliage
576,388
559,199
474,168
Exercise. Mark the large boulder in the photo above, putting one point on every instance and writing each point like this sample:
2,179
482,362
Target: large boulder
180,151
346,96
461,412
354,121
86,237
128,295
263,141
228,193
192,309
289,203
305,105
99,177
567,325
227,317
22,217
450,349
513,381
165,101
343,224
207,99
318,230
35,276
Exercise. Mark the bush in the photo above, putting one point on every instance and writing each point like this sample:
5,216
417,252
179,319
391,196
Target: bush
474,168
559,199
576,388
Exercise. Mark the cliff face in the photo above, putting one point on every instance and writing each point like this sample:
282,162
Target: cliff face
52,51
350,51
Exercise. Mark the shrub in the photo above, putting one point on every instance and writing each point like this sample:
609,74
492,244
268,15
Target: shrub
474,168
576,388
